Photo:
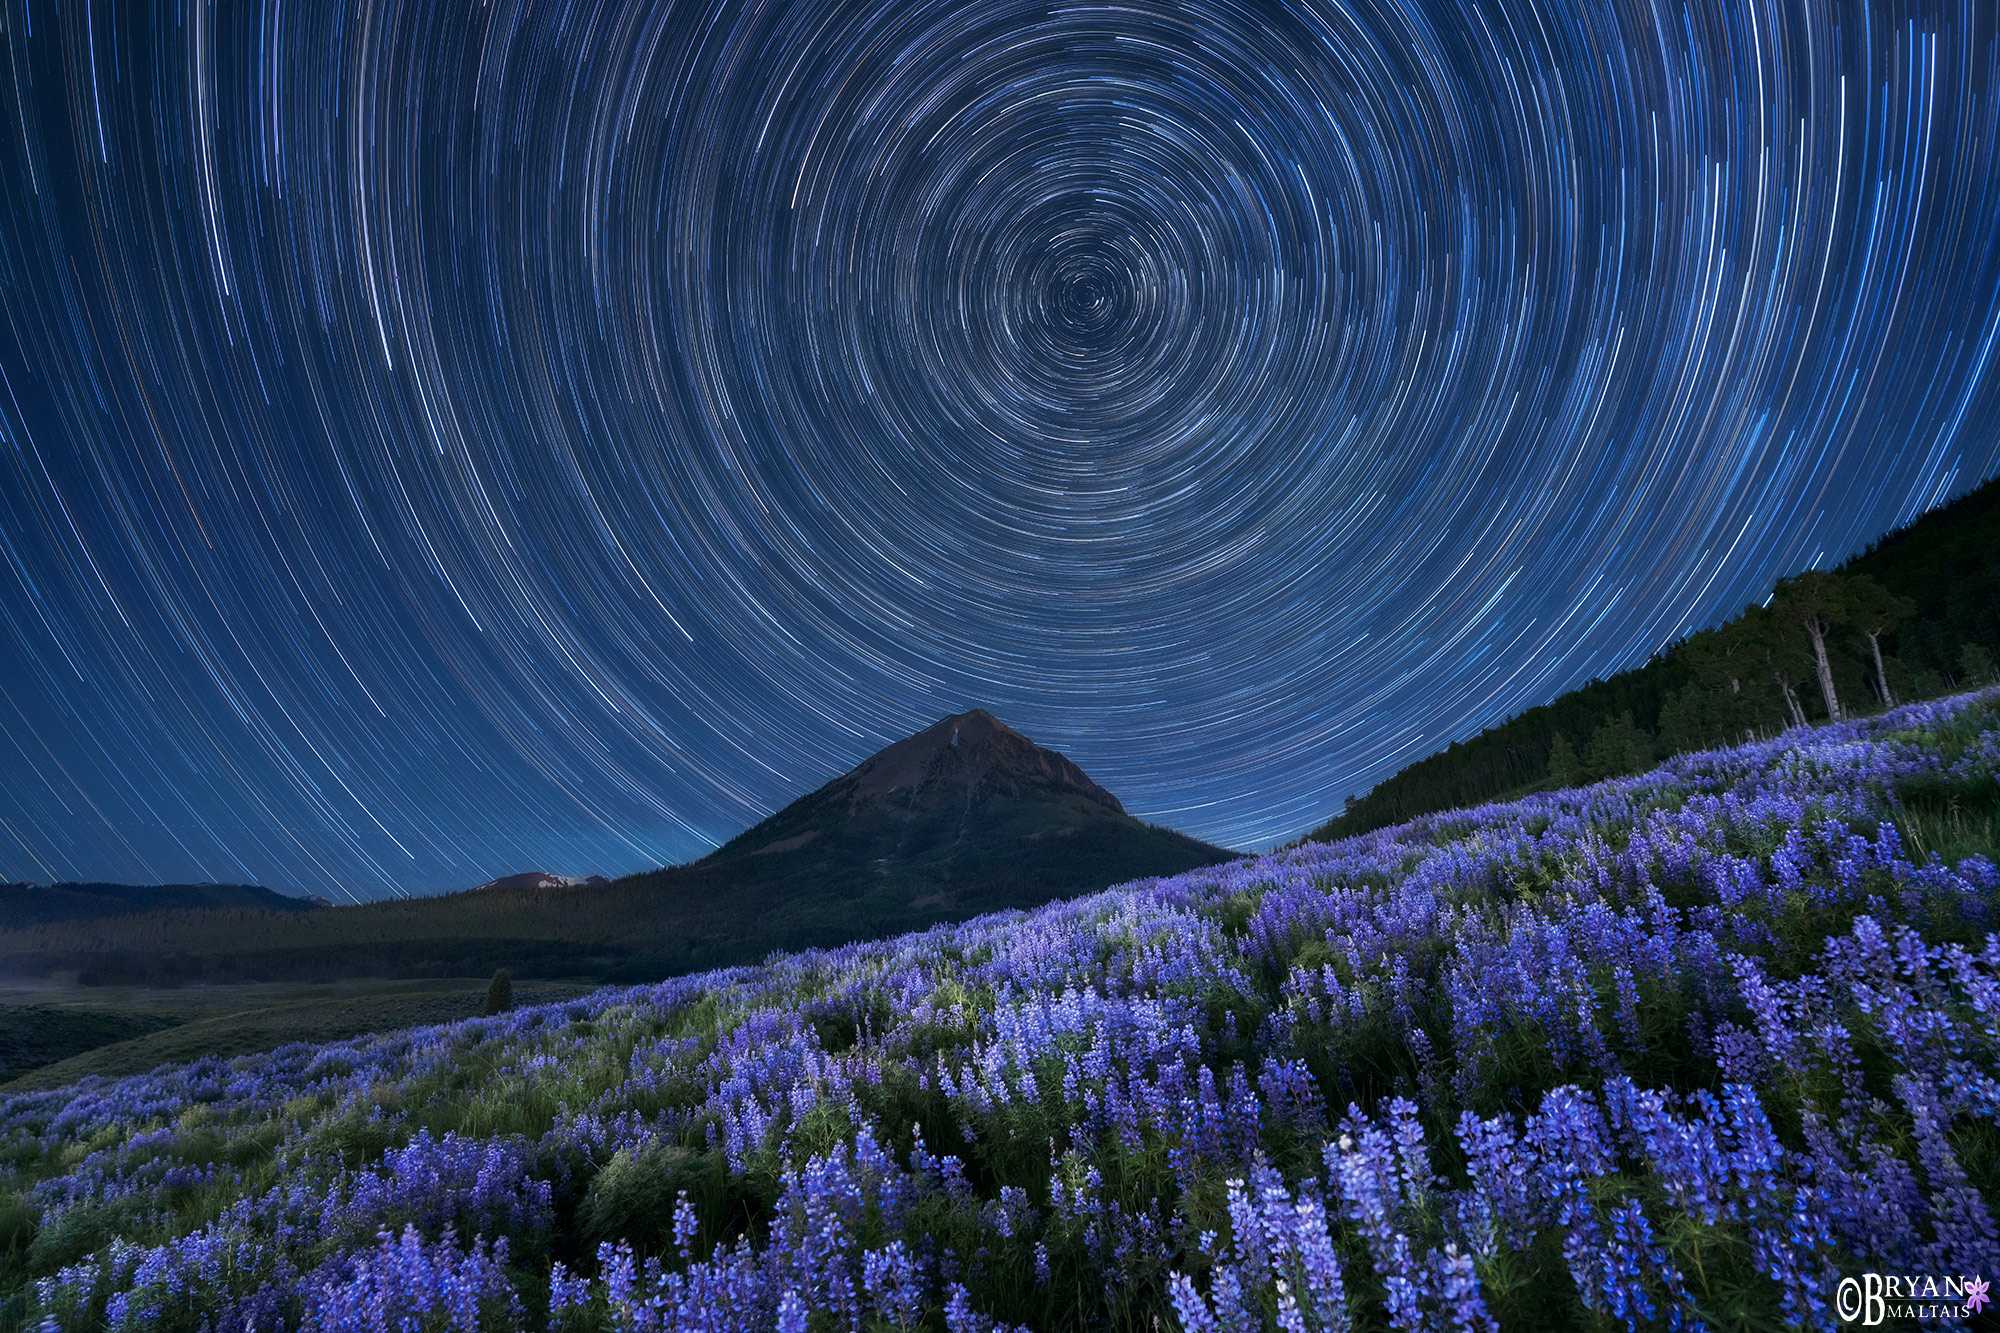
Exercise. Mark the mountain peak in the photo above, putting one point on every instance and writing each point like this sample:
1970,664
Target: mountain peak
970,751
542,879
965,816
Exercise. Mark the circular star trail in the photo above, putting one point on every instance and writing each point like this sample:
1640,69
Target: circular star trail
440,440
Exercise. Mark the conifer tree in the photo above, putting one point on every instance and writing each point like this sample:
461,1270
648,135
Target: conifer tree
1564,770
1616,748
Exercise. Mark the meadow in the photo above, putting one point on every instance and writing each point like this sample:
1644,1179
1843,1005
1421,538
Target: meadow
1678,1050
52,1034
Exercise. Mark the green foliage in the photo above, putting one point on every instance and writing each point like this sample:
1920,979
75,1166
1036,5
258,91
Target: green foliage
633,1198
77,1232
499,993
1617,748
1565,769
356,1134
1950,821
20,1222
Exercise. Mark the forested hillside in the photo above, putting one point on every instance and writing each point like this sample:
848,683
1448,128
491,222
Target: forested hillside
1914,616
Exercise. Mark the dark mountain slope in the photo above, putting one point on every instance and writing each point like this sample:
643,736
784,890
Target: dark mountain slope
966,816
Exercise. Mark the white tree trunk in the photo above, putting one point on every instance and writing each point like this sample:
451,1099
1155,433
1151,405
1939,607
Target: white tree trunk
1824,668
1881,676
1791,699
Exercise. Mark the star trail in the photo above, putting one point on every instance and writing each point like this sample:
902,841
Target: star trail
442,440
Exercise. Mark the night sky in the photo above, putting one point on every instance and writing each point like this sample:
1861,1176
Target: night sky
442,439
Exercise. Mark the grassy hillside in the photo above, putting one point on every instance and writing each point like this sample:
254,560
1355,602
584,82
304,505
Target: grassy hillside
1682,1049
74,1033
1947,564
36,1036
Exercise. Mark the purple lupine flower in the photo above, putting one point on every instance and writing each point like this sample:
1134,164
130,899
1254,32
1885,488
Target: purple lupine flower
1962,1226
566,1292
1460,1297
1189,1305
1321,1266
685,1226
891,1276
388,1289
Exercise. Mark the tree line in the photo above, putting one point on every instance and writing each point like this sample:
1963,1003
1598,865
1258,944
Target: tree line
1915,616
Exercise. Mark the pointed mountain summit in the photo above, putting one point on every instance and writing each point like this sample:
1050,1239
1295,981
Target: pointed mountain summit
972,749
965,816
956,767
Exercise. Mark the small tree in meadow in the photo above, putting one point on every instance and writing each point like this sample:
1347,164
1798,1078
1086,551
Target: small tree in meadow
499,993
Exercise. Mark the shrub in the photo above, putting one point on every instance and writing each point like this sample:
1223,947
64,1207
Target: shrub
499,993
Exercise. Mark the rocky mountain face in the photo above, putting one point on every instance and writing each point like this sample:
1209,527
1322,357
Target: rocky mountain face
974,751
951,773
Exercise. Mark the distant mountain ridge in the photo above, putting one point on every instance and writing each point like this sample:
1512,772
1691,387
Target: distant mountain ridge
23,905
542,879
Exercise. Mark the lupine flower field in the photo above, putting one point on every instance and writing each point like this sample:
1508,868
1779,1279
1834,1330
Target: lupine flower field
1674,1051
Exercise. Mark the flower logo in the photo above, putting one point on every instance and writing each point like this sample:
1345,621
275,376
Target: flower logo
1975,1294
